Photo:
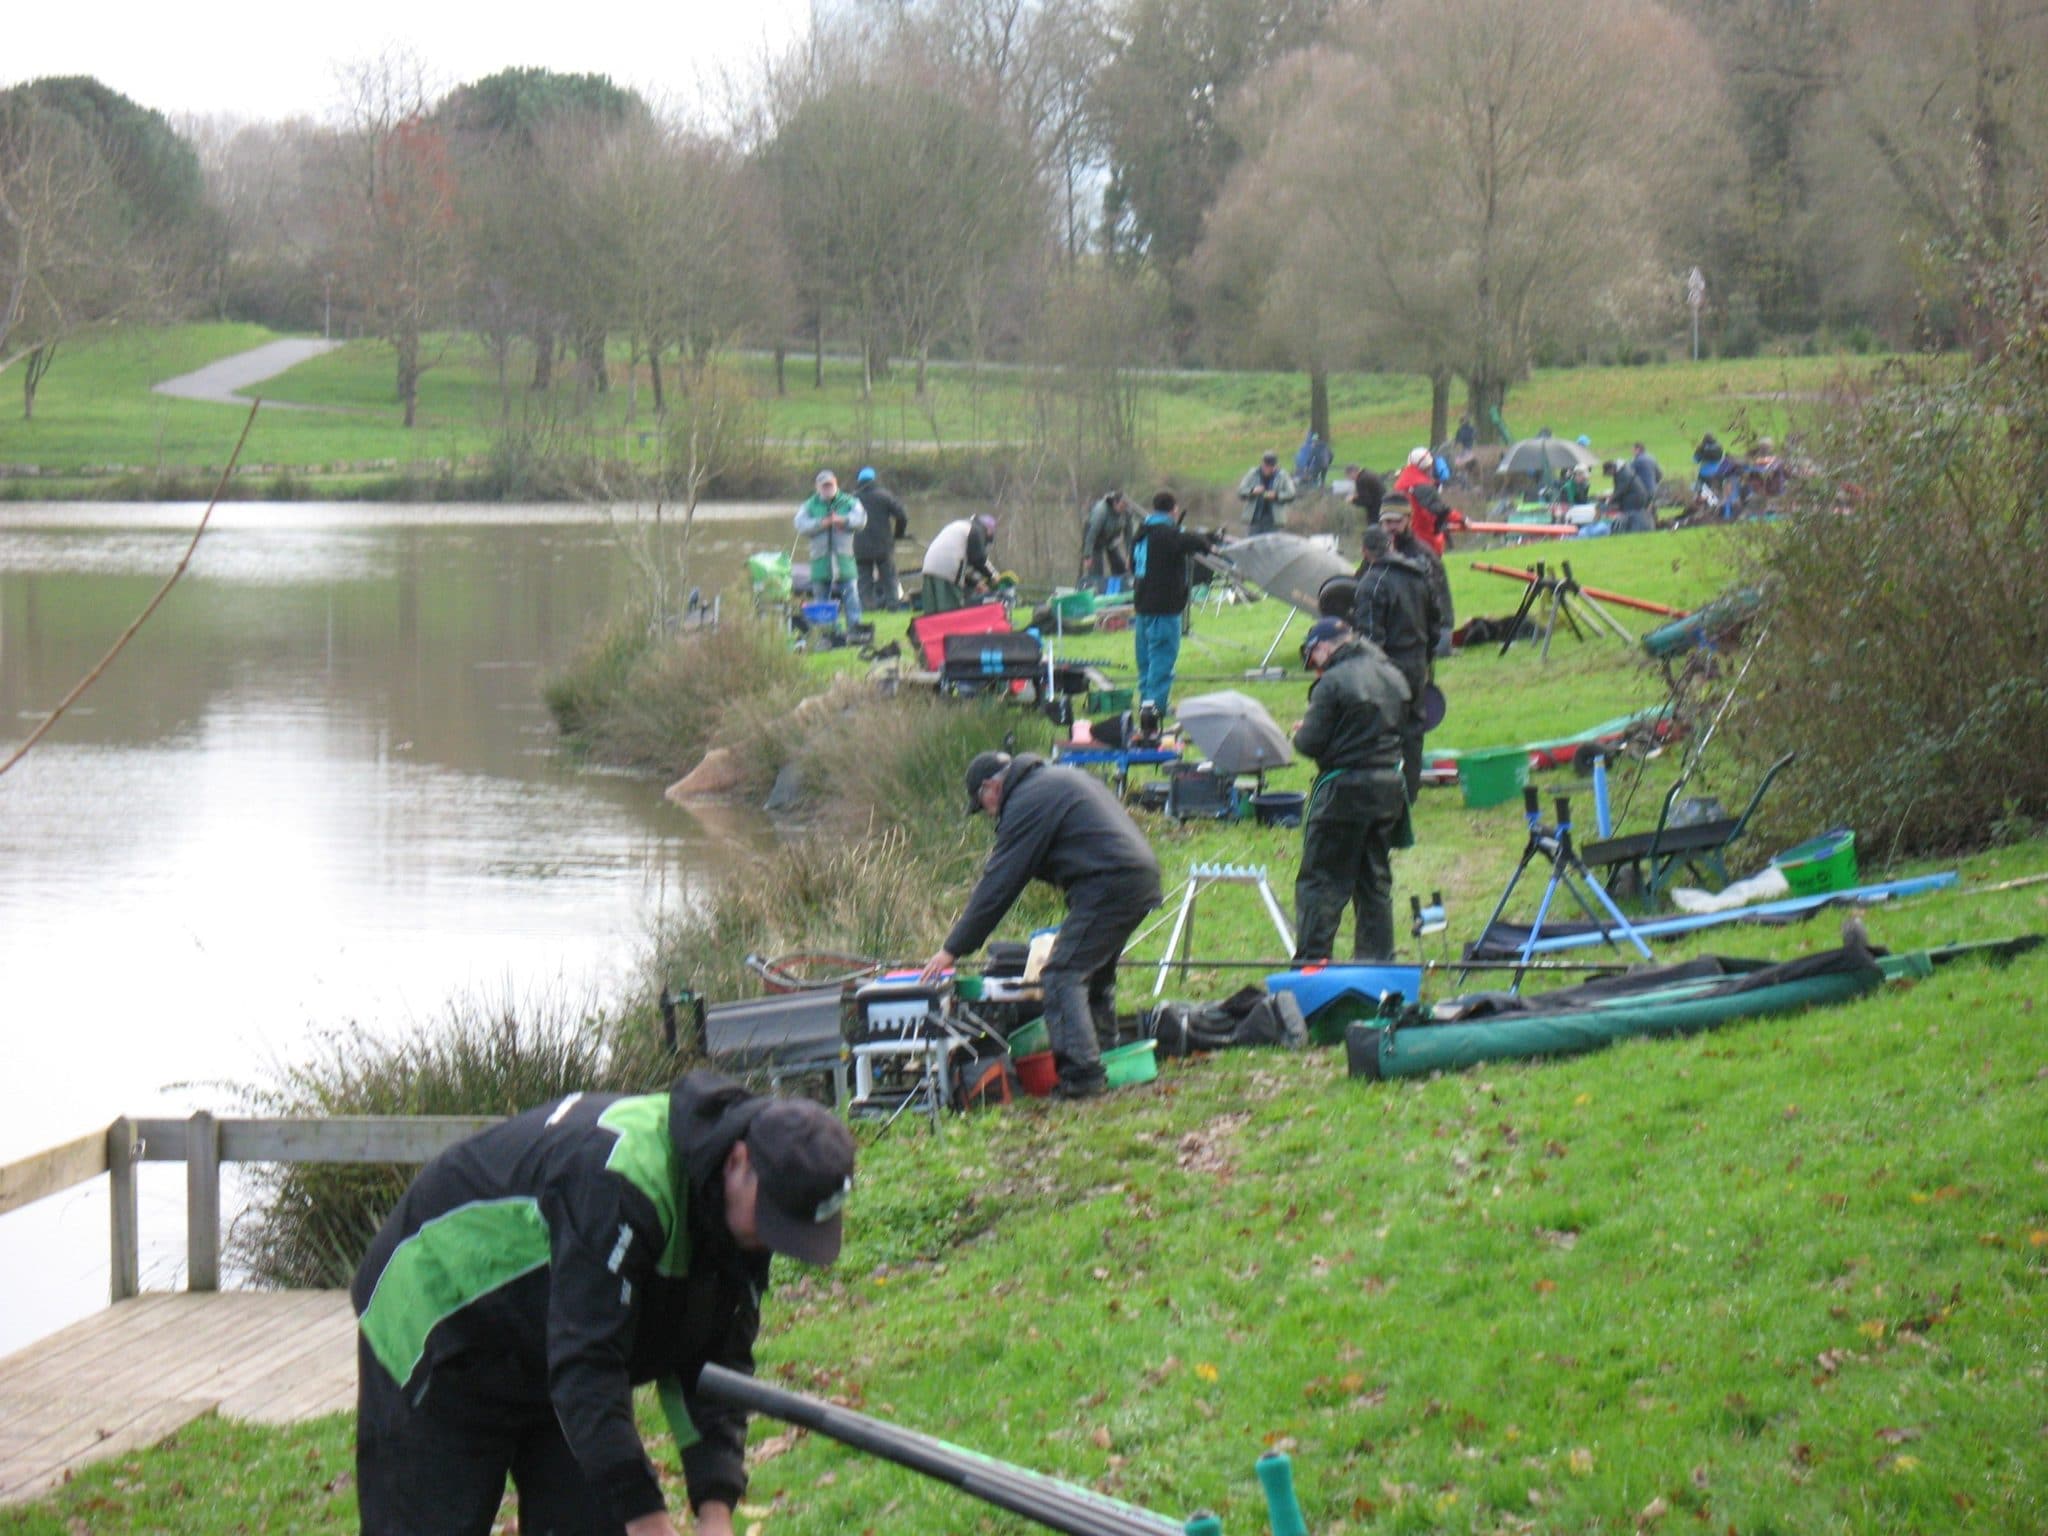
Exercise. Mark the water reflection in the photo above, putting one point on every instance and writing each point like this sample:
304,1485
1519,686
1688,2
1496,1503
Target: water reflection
320,786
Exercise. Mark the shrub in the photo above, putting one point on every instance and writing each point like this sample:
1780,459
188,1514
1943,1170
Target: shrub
640,698
309,1223
1907,618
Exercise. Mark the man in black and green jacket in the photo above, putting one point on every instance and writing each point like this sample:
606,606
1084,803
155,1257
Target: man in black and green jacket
532,1275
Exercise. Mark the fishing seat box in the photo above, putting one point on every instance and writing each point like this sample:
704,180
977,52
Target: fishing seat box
1008,656
929,630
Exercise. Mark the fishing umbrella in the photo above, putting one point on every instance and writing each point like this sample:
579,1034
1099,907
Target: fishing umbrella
1540,455
1234,732
1285,566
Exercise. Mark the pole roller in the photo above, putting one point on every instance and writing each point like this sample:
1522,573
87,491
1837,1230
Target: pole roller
1045,1500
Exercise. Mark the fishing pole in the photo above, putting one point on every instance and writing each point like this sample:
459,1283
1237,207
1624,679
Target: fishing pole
1057,1505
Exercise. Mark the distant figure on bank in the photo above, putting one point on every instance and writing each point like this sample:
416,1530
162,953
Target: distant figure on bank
874,545
1105,534
1265,488
956,563
1159,561
1631,501
1648,471
1358,809
831,518
1417,481
1396,518
1368,491
1063,826
1395,609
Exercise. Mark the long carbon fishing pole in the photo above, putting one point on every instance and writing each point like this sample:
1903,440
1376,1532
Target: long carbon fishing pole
1049,1502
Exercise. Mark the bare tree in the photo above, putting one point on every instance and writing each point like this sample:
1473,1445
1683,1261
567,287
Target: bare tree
88,236
394,221
1940,128
1456,198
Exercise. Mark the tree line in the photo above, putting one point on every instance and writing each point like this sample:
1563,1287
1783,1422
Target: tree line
1461,189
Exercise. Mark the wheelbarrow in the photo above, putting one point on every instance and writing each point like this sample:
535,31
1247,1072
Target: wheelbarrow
1648,863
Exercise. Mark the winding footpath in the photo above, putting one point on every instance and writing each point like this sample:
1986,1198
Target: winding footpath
222,382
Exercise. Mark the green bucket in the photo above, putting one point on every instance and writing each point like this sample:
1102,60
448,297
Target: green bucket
1129,1065
1822,864
1488,778
1030,1039
1070,606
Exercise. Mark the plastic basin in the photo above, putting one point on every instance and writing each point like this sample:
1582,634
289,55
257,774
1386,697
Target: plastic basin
1488,778
1129,1065
1279,807
1030,1039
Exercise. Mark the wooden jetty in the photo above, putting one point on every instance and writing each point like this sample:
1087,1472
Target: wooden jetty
130,1375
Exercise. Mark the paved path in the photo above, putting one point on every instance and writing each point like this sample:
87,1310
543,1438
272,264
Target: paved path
224,381
126,1377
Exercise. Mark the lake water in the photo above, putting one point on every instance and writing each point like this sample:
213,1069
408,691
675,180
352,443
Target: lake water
319,786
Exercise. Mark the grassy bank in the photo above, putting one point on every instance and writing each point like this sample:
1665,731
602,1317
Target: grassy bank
1789,1276
99,430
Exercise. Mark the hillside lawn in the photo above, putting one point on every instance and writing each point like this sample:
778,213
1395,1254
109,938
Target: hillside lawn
99,430
1787,1276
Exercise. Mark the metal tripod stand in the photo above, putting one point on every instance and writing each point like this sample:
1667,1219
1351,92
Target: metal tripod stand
1568,871
1565,599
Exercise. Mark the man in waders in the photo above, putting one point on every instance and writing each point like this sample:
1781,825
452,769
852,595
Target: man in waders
832,519
533,1274
1358,808
1395,609
1062,826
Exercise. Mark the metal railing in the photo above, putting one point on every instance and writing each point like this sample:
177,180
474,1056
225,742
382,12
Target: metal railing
203,1143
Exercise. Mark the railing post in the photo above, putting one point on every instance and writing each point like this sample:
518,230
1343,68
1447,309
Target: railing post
202,1202
124,1261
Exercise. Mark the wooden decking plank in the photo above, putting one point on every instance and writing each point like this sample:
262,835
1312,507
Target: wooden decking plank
131,1375
320,1345
29,1479
97,1333
203,1335
83,1347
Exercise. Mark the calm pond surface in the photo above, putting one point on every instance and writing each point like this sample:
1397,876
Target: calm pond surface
319,787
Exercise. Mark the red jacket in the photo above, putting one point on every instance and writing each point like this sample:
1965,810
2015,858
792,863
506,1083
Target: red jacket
1413,482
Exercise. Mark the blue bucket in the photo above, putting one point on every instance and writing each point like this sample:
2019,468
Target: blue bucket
821,615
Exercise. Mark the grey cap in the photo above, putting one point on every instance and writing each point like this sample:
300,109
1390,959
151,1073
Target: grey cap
803,1158
985,766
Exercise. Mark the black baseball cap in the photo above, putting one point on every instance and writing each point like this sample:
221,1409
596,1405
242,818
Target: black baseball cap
803,1158
1325,630
986,765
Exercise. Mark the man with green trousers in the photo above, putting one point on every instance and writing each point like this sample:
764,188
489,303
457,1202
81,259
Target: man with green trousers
831,517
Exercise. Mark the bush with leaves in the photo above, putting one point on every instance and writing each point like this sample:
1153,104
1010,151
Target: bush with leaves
1906,656
308,1224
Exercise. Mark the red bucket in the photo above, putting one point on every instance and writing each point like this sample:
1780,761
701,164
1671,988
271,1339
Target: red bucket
1038,1074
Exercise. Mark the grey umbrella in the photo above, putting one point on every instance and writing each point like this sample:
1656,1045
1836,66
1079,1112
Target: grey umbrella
1541,455
1285,566
1234,732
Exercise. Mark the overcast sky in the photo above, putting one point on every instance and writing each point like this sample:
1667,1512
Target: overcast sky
279,59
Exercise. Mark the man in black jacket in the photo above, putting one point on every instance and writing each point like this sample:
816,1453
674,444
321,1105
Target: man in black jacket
1358,809
1160,556
1062,826
1398,518
533,1274
1395,609
874,543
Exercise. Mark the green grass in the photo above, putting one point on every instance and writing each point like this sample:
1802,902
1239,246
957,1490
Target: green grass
95,413
1787,1276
